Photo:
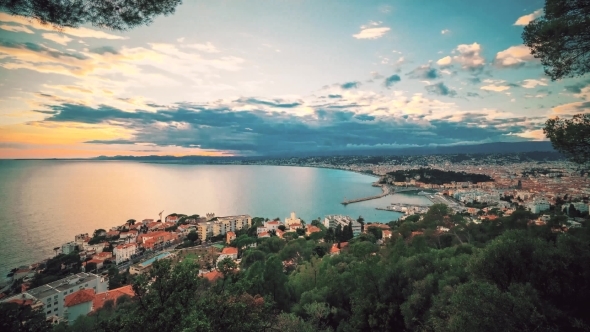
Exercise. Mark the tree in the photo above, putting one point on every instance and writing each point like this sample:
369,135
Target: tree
116,15
570,137
56,249
561,38
16,317
192,236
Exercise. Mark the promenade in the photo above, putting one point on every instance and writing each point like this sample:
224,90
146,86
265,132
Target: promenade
387,189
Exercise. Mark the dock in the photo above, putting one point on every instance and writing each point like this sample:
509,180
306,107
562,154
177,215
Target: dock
386,191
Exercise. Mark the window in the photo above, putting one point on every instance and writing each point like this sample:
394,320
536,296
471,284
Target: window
48,299
48,312
86,285
54,303
55,309
55,297
71,290
49,305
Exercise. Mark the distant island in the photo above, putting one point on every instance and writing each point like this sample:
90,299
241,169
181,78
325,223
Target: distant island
433,176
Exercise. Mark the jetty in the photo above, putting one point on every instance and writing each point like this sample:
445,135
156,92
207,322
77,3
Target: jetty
386,191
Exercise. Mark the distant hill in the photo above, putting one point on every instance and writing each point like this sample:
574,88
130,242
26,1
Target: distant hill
500,147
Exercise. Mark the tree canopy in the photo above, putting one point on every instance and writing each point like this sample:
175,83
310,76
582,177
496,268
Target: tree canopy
570,136
561,38
112,14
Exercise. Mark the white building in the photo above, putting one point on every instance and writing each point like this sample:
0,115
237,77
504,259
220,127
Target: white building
123,252
261,229
292,220
53,294
332,221
538,206
272,225
68,248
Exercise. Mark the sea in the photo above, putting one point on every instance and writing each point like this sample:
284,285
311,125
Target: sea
45,203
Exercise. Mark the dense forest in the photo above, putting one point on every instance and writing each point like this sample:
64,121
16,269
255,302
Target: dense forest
434,176
500,275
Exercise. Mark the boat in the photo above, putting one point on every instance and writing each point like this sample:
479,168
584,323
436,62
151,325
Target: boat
423,193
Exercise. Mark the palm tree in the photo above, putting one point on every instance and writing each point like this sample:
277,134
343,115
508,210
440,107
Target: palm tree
56,249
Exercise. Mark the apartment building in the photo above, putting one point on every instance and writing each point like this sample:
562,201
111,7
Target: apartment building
53,294
332,221
222,225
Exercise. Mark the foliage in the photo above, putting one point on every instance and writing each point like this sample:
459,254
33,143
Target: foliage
570,136
116,15
17,318
435,176
560,38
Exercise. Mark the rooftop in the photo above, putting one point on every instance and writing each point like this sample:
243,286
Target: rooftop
62,284
81,296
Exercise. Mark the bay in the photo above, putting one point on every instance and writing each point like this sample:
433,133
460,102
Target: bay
44,203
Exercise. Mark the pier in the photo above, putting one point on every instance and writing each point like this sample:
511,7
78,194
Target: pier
386,191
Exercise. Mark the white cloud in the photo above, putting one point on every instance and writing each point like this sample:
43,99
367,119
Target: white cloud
526,19
445,31
180,40
514,56
371,33
15,28
207,47
496,88
529,84
57,38
469,56
444,61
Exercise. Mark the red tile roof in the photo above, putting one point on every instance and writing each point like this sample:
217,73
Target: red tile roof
81,296
213,275
229,251
22,302
114,294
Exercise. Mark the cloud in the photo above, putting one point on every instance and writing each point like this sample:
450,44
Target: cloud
444,62
440,89
102,50
496,88
468,56
77,32
526,19
577,87
15,28
514,56
57,38
391,80
207,47
251,126
529,84
350,85
445,31
425,72
371,33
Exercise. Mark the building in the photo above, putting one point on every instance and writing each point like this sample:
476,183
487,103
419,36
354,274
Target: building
230,236
332,221
172,218
538,206
68,248
580,206
222,225
111,295
272,225
53,294
123,252
228,252
77,304
146,265
292,220
312,229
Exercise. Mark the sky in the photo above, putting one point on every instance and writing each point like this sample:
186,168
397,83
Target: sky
252,78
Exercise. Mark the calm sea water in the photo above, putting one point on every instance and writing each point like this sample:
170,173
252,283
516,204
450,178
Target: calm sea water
45,203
